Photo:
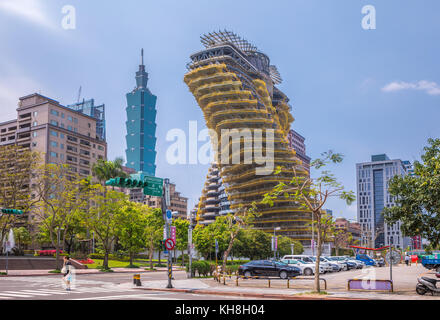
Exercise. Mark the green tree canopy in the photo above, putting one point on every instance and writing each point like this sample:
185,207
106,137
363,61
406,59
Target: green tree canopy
417,197
130,227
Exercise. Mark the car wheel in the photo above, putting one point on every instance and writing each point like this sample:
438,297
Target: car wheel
248,274
308,272
283,275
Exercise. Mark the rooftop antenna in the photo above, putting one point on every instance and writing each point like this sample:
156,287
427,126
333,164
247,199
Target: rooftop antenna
79,94
142,56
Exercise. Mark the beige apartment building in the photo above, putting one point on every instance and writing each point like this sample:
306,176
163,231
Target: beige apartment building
60,134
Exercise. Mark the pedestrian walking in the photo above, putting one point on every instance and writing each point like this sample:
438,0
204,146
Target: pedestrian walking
407,259
67,272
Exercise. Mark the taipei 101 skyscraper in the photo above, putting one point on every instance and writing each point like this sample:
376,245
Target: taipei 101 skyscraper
141,125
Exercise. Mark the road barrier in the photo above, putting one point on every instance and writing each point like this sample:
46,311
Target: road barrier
370,285
137,280
221,278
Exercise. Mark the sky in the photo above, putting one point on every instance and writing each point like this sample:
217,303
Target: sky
355,91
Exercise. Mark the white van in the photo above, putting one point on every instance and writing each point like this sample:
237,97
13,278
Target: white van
301,257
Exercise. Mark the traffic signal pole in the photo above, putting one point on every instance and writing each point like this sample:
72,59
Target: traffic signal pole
165,205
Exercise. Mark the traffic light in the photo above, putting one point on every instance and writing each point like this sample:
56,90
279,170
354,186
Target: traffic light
162,245
12,211
126,183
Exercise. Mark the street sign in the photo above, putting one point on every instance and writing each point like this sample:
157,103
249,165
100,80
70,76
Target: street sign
274,243
154,187
167,195
169,214
173,233
169,244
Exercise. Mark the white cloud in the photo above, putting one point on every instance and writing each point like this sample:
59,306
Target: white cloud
28,9
12,88
430,87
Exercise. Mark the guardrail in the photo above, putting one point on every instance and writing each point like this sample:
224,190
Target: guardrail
221,278
370,285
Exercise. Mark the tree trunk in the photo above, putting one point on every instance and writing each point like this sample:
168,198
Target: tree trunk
183,258
131,259
151,251
57,256
228,250
160,251
105,262
318,257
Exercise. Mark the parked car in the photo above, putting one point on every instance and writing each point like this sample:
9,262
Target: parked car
268,268
302,257
307,269
340,262
350,264
325,264
380,262
358,264
366,259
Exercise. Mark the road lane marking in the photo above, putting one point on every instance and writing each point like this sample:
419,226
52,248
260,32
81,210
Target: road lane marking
14,294
135,296
44,292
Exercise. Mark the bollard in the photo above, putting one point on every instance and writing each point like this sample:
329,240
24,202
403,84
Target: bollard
268,280
288,283
236,281
137,280
224,280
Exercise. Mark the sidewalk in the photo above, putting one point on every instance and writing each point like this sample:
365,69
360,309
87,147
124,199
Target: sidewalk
34,273
212,287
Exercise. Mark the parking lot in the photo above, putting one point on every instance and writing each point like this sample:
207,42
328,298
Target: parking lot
404,279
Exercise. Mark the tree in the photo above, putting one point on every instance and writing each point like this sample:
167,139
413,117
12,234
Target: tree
153,231
22,238
17,166
104,170
285,246
204,236
131,224
102,217
417,197
58,199
254,244
181,235
312,194
242,219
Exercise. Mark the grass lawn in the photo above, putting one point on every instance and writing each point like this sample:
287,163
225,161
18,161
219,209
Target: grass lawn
115,264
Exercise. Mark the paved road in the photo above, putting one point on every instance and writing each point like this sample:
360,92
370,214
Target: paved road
93,287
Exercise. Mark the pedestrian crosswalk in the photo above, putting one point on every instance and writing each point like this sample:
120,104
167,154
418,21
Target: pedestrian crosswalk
41,293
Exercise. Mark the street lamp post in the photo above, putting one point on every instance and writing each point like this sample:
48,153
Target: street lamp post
190,229
274,239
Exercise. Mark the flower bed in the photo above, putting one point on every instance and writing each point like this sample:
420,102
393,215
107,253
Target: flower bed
88,261
48,252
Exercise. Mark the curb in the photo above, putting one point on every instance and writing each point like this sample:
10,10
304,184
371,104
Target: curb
249,295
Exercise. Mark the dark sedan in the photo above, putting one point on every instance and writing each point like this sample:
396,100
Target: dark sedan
269,269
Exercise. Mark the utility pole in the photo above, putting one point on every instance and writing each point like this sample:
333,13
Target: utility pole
166,212
190,229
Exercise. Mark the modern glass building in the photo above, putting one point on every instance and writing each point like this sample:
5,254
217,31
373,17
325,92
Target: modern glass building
88,108
372,197
236,88
141,125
